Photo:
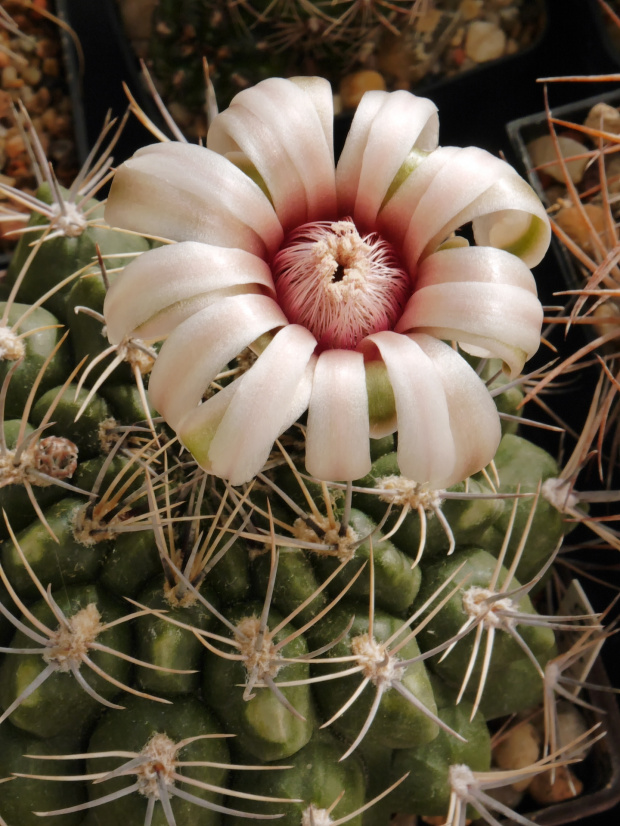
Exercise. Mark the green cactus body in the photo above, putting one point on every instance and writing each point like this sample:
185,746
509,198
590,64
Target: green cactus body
265,728
62,256
60,705
397,722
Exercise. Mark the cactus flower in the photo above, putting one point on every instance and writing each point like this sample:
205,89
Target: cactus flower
345,280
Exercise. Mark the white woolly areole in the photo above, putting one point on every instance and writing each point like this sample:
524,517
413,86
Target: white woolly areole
161,751
315,817
399,490
68,219
261,657
70,643
11,346
462,780
377,664
477,603
558,493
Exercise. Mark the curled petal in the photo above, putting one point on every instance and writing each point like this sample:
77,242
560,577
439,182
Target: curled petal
146,302
290,153
375,155
426,451
198,349
352,156
232,437
510,216
498,319
395,218
471,185
475,264
187,193
474,421
319,91
337,439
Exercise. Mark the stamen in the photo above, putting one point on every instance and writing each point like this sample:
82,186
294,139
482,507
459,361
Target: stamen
342,287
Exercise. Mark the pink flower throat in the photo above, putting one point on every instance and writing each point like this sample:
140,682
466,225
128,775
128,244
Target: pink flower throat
338,285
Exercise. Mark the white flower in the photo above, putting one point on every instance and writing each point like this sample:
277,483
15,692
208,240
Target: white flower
344,281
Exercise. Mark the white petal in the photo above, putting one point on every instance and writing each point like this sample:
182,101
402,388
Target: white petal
277,126
403,123
510,216
498,318
468,173
199,429
377,145
502,320
474,264
426,451
161,288
188,193
199,348
352,155
474,421
395,218
337,439
261,408
319,91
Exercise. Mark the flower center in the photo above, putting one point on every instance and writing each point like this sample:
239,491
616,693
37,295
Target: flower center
338,285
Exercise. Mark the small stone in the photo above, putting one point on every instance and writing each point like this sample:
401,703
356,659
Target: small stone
14,145
47,48
543,155
484,41
574,223
5,104
51,67
458,37
353,87
32,75
428,22
517,749
605,117
40,101
553,787
10,78
470,9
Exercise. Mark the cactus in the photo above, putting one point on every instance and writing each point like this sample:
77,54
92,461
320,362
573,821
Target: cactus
192,651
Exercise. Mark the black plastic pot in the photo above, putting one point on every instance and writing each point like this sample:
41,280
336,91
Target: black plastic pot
523,131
